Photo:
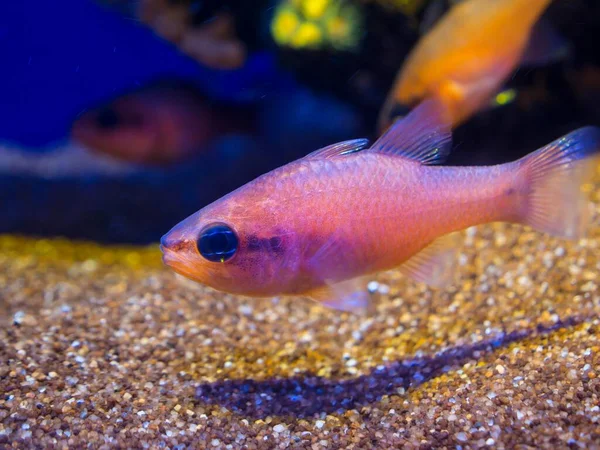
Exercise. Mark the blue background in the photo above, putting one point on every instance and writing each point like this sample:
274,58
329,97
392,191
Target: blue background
59,58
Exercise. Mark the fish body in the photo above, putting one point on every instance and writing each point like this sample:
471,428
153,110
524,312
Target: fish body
316,227
466,57
158,124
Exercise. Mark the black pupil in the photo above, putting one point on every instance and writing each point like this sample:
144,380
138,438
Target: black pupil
108,118
218,243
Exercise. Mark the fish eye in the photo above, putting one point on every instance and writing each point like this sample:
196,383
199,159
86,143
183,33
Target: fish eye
107,118
217,243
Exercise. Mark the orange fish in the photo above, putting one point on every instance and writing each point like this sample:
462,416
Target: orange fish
158,124
318,226
467,56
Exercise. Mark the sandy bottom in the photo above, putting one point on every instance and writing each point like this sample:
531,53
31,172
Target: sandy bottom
102,347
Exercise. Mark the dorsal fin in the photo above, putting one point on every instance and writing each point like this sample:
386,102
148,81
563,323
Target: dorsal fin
423,135
338,149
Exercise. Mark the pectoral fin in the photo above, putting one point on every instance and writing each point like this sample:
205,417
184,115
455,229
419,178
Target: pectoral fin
329,262
464,100
453,91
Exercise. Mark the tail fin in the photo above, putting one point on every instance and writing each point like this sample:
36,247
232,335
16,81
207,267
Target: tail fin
555,176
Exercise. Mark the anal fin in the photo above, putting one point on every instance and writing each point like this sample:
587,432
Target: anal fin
436,264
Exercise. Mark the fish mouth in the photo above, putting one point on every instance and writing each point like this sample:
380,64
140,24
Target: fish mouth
176,264
173,250
170,257
171,244
168,247
179,263
167,256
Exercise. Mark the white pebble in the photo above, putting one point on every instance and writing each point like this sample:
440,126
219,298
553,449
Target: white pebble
462,437
471,231
319,424
383,289
372,286
89,265
279,428
18,317
246,310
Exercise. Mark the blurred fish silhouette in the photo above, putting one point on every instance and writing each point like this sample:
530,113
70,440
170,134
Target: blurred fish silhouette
203,30
469,53
318,226
159,124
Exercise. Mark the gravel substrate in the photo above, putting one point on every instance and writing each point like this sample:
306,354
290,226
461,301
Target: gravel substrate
101,347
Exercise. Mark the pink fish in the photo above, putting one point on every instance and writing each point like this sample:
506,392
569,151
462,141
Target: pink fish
318,226
158,124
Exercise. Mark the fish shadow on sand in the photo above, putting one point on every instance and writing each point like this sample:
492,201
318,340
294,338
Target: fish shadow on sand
308,395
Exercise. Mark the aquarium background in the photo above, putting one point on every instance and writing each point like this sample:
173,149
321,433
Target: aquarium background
61,60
